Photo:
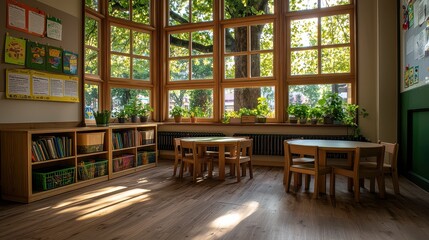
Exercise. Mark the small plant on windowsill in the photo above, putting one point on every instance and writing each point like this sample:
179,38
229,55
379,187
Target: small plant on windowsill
262,110
231,117
132,109
177,112
351,112
102,118
315,113
121,115
292,111
144,112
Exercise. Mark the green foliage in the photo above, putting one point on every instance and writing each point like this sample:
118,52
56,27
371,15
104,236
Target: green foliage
133,107
144,109
177,111
331,105
262,109
230,114
247,111
351,112
102,117
298,110
315,112
121,114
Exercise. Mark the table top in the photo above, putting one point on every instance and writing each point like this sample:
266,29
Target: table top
219,140
333,144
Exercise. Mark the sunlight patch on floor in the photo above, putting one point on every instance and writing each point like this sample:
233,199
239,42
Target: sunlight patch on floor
227,222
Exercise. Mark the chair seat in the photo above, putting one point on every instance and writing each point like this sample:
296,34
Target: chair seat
339,163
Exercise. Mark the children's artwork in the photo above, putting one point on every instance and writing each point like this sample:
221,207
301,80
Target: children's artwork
70,62
36,56
54,59
54,29
416,75
409,74
14,50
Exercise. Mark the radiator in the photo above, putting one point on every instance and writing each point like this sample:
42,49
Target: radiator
166,139
263,144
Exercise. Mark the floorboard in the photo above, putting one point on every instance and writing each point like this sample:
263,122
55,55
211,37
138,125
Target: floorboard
154,205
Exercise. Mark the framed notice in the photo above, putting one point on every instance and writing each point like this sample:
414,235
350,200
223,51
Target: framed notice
70,62
33,85
17,16
54,62
36,56
14,50
54,28
36,22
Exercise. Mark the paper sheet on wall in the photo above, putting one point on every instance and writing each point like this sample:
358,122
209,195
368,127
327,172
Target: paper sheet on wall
71,88
17,17
57,87
36,22
18,83
419,46
54,29
410,45
40,85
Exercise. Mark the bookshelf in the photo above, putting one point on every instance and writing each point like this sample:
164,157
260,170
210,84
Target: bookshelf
40,163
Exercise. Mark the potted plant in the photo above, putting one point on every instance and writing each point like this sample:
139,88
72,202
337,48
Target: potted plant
177,112
102,118
247,115
262,110
301,112
144,112
231,117
351,111
291,110
121,115
331,105
132,110
314,113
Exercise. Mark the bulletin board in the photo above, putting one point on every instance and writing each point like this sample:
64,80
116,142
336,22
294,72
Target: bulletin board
415,27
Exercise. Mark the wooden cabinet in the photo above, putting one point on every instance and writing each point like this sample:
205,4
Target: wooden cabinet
39,163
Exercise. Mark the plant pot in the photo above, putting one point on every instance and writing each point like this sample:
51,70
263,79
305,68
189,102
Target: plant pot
177,119
302,120
102,124
293,120
235,120
261,119
121,120
193,119
143,118
134,119
314,121
328,120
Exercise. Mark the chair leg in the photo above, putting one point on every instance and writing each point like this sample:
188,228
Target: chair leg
250,169
181,169
243,169
287,180
381,186
372,184
316,186
237,166
350,184
356,189
210,174
395,181
307,178
332,184
194,173
176,162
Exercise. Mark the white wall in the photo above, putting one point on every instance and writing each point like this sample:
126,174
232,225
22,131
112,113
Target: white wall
72,7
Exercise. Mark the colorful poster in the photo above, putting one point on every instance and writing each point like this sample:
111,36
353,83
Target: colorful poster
70,62
14,50
54,59
54,29
36,56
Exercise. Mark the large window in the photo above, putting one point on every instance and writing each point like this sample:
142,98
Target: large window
189,11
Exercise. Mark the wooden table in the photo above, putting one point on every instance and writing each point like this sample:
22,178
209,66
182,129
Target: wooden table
332,146
221,143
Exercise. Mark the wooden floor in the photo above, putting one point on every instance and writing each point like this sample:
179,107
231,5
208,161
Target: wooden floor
153,205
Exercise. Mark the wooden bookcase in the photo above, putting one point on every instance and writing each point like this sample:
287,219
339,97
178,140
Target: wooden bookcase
19,166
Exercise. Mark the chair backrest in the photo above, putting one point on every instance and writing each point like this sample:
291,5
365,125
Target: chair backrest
246,147
391,153
369,152
177,150
188,147
291,150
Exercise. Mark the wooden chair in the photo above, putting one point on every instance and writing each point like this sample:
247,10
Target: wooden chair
389,165
239,157
191,157
358,171
297,182
177,155
299,164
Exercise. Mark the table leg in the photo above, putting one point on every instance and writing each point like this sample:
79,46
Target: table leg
322,178
221,162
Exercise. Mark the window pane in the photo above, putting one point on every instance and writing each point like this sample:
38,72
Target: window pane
298,5
141,44
237,98
304,62
92,4
303,32
310,94
239,9
262,37
141,69
336,29
119,9
331,3
179,44
122,96
336,60
262,65
91,61
199,101
179,70
202,11
202,68
91,32
119,66
141,11
91,100
179,12
236,67
202,42
236,39
120,39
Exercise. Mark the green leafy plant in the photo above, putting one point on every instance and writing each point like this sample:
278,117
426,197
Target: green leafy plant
102,118
177,111
262,109
132,108
247,111
230,114
351,112
144,109
301,111
331,105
